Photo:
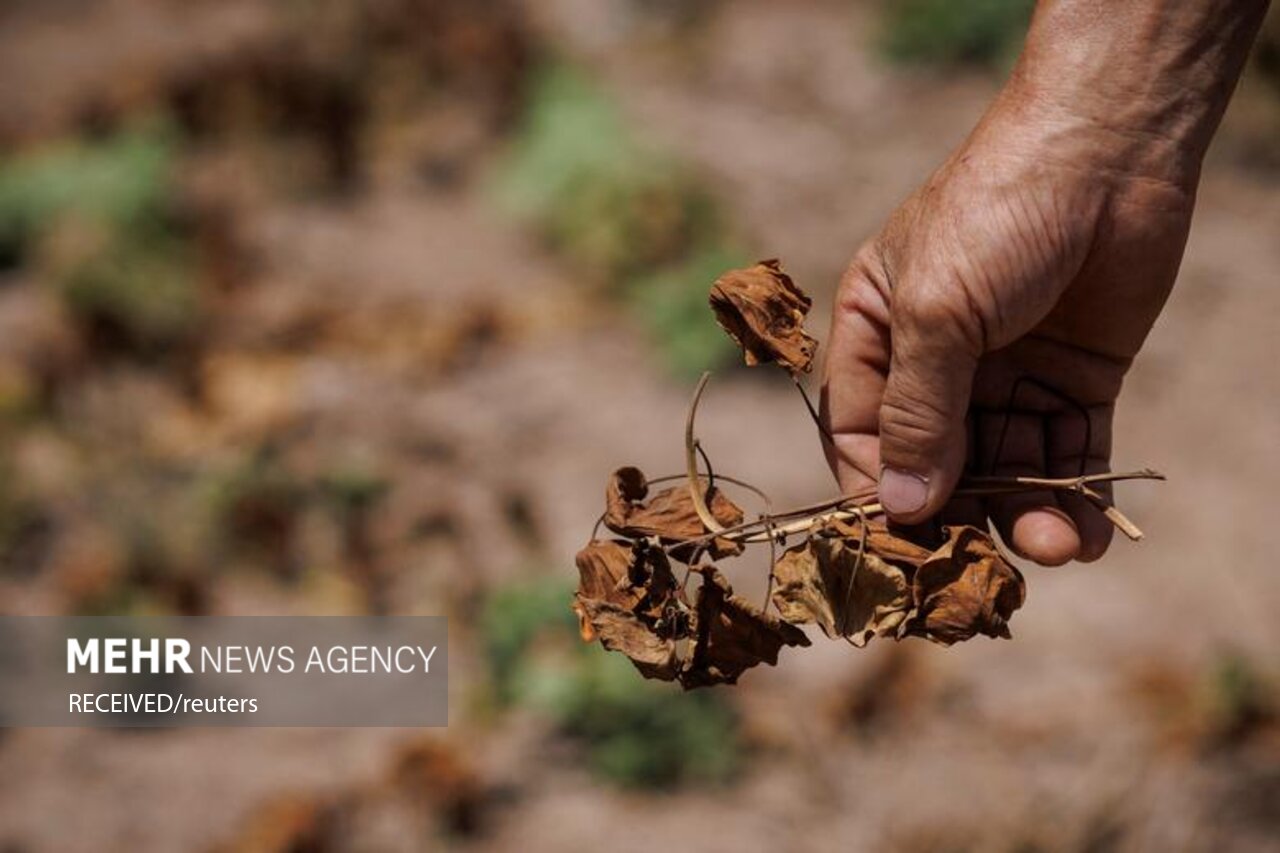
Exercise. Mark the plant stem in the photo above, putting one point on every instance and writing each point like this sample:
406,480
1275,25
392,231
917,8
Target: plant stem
691,461
766,528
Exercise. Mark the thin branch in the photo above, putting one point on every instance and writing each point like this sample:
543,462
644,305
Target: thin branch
826,433
691,461
853,577
994,486
773,560
742,484
847,507
1118,518
706,461
974,484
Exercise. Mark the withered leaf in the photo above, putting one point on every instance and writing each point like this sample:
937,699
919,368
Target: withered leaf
604,573
622,631
668,514
628,599
628,575
882,542
847,592
966,587
732,635
763,311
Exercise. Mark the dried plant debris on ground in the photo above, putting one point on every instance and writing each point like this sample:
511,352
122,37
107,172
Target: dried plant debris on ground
849,574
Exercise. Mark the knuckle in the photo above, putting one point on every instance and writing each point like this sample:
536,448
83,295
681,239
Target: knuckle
864,287
912,425
943,311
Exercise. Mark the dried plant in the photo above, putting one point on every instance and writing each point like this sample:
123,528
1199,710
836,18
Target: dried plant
851,573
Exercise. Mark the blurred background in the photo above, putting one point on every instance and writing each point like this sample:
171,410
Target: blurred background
313,306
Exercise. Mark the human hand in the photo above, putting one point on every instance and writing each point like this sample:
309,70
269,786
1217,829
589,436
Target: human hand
1043,249
1000,268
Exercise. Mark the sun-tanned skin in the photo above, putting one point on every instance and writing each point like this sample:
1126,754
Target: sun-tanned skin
1044,247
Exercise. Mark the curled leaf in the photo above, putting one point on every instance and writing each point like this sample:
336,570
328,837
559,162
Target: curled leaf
628,600
628,576
966,587
668,514
627,487
763,311
604,573
622,631
842,585
732,635
882,542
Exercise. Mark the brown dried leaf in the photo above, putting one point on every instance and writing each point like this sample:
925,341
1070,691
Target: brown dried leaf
882,542
763,311
966,587
630,576
622,631
733,635
848,594
668,514
604,573
628,599
627,488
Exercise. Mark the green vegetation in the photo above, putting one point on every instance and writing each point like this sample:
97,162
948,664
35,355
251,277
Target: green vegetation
142,291
120,183
95,220
983,33
621,211
353,489
1241,701
514,617
633,732
609,203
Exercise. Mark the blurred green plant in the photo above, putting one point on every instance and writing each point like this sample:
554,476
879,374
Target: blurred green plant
623,212
140,292
982,33
634,733
512,619
96,219
672,304
353,488
121,182
1240,700
599,195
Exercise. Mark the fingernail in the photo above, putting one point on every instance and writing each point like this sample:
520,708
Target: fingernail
902,492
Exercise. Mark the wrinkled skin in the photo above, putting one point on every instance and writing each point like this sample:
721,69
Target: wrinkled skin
1044,248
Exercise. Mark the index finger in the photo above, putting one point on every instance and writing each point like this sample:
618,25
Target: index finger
853,378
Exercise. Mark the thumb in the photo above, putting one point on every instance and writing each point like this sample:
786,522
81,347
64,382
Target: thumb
936,341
